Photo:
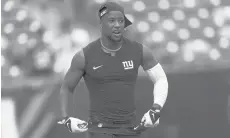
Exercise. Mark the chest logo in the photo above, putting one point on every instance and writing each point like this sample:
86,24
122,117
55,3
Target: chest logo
96,67
128,64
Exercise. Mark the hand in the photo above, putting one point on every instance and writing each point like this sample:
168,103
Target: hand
151,118
140,127
74,125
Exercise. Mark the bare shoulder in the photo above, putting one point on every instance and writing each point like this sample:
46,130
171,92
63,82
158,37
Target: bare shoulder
79,54
80,57
76,71
146,51
78,61
148,59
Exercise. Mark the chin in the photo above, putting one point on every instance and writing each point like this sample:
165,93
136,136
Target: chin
116,39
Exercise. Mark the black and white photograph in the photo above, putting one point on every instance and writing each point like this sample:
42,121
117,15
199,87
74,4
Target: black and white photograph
115,69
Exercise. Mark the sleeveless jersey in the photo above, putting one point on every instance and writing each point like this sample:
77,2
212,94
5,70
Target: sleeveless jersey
111,81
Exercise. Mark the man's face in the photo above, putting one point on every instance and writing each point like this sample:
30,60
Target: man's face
113,25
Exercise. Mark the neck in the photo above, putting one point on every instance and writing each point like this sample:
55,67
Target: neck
111,44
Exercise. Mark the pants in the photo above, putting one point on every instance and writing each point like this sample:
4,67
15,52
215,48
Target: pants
114,130
102,135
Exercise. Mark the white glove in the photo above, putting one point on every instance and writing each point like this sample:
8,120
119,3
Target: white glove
151,118
74,125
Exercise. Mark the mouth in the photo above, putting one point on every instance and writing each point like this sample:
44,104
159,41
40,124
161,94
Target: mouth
117,33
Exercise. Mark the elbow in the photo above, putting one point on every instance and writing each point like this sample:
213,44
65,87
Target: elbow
66,89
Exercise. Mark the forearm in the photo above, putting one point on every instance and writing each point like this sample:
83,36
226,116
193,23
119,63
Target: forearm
159,78
64,94
160,92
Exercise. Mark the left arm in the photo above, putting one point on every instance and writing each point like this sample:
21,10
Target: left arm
158,77
160,92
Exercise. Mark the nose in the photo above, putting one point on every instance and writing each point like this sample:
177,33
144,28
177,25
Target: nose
117,24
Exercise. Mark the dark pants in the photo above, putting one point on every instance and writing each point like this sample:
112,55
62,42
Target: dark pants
101,135
114,130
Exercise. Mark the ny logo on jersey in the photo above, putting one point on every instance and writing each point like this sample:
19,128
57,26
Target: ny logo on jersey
128,64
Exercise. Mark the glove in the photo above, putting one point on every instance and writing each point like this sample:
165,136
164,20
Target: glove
151,118
74,125
140,128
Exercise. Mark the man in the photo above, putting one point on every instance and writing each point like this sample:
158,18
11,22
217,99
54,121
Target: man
109,67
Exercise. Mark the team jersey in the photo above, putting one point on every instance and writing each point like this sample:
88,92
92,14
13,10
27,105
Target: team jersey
111,81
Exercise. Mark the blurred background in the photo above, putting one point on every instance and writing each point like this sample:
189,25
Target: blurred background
190,38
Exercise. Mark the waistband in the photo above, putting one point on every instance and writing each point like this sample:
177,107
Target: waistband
114,129
110,118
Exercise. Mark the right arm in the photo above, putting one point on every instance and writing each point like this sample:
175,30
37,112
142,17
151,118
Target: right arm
71,79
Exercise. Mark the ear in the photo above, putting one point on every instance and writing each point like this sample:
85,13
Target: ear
100,26
100,20
100,23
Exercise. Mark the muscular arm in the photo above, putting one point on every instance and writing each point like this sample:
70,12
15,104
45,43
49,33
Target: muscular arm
158,77
71,79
